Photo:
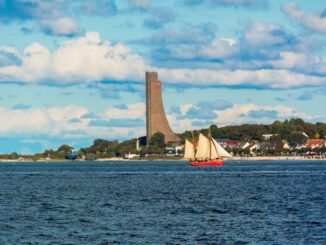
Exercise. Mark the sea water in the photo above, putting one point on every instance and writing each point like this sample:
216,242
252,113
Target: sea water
262,202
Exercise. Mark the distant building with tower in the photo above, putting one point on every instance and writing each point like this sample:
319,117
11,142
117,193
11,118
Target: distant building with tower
156,120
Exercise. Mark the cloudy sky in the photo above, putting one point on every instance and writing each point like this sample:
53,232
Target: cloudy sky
73,70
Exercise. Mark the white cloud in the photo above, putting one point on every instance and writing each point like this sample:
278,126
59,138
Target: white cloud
50,122
9,56
85,59
67,122
265,78
88,59
241,113
10,50
237,115
315,22
217,49
300,61
265,34
133,111
63,26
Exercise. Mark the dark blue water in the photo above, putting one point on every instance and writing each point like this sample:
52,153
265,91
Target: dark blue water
163,202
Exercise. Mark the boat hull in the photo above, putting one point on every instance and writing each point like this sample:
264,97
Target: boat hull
209,163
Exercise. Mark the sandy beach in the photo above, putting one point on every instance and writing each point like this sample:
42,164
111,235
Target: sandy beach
117,159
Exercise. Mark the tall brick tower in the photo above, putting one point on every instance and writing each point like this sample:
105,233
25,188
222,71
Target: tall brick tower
156,120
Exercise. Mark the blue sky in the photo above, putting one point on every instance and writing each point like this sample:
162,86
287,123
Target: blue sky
73,71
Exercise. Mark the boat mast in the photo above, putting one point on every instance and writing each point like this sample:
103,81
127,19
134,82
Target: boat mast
193,144
210,144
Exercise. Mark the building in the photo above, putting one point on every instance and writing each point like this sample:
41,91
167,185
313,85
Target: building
156,120
232,144
268,136
315,143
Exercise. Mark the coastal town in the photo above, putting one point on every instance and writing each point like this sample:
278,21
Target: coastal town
290,139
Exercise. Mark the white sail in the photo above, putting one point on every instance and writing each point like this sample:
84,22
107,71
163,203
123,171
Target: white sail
189,150
203,148
221,151
214,153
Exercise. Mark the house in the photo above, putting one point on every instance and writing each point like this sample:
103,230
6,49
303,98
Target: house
286,145
305,135
251,147
174,150
246,145
232,144
315,143
268,136
282,145
130,156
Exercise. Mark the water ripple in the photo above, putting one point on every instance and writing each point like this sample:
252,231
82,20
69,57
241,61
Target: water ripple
163,202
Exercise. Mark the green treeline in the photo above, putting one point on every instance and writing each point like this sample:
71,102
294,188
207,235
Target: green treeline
294,131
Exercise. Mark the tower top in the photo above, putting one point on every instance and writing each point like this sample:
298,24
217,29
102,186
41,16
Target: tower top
156,120
151,76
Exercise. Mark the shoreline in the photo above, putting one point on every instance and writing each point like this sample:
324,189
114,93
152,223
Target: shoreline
115,159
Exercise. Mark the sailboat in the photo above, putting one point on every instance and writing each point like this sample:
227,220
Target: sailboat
208,152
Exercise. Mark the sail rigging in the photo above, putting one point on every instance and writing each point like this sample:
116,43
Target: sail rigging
189,150
207,149
214,152
203,150
220,150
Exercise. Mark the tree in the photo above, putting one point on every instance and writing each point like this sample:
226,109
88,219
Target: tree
296,138
277,127
65,148
157,140
155,149
125,147
101,146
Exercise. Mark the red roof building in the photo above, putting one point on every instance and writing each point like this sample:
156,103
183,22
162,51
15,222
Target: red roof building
314,143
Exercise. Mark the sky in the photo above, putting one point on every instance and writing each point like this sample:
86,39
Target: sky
72,71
